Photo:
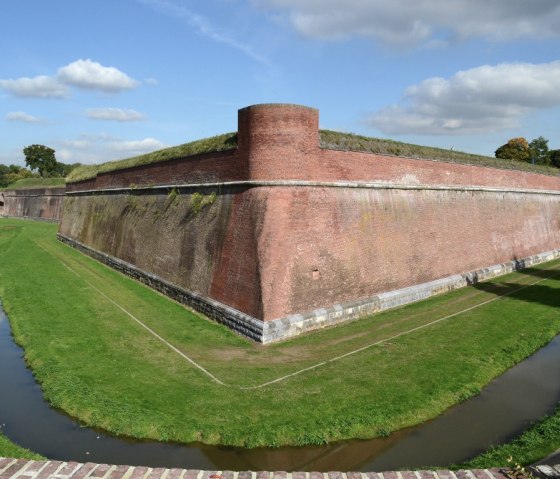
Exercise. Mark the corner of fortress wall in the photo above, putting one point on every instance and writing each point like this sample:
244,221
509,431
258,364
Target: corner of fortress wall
280,236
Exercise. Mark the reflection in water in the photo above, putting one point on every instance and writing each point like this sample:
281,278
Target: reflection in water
503,409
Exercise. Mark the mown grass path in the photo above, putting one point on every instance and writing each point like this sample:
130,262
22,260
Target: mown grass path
73,317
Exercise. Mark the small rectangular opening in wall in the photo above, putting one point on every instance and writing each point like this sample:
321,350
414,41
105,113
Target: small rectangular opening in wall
316,274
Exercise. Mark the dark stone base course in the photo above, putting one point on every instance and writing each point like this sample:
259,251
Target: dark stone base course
26,469
236,320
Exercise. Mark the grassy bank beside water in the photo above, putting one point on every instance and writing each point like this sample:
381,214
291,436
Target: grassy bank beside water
540,440
9,449
98,364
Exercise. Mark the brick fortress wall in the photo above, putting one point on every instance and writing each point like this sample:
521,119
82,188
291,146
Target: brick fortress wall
280,236
34,203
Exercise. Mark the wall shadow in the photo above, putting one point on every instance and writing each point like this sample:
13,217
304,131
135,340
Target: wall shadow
538,293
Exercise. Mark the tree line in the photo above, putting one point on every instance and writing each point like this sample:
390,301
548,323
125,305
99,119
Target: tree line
536,152
41,163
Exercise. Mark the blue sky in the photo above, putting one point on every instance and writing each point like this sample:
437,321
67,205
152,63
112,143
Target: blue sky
107,79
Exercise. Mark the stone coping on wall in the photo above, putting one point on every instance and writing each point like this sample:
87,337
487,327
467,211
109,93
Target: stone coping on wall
26,195
283,328
28,469
314,184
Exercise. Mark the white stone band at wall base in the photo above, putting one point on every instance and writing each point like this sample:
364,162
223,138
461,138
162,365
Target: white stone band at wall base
283,328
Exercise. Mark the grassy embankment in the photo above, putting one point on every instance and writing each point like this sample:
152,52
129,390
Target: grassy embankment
541,439
35,183
9,449
328,139
99,365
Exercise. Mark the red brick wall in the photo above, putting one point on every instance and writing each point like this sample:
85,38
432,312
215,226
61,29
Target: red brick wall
211,251
203,168
37,203
273,251
355,166
323,246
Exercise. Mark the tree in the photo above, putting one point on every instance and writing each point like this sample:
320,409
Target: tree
12,173
539,151
63,169
515,149
554,156
40,158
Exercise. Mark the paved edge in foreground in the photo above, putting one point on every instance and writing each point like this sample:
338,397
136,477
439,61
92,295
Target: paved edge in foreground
28,469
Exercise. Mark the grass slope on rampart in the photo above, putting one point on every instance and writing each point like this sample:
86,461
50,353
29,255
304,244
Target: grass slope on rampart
72,316
333,140
28,183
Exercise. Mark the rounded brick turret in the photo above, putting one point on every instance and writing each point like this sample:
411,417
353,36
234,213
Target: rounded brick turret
278,140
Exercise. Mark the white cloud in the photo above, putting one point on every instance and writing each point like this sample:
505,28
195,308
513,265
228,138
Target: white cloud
99,148
22,116
115,114
85,74
37,87
151,81
88,74
479,100
81,144
413,22
137,146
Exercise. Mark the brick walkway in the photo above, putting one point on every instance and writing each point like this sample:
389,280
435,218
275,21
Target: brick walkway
26,469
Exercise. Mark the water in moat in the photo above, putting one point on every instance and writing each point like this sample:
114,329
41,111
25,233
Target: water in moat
504,408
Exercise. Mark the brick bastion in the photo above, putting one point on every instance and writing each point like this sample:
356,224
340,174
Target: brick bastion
280,236
38,203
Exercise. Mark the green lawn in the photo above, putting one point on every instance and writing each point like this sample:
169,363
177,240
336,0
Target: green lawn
102,367
9,449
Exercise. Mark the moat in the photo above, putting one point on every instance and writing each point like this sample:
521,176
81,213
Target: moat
504,408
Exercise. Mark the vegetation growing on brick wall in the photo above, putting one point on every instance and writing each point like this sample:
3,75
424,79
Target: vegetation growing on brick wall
199,201
227,141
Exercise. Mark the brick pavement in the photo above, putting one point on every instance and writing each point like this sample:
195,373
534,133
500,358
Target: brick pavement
27,469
